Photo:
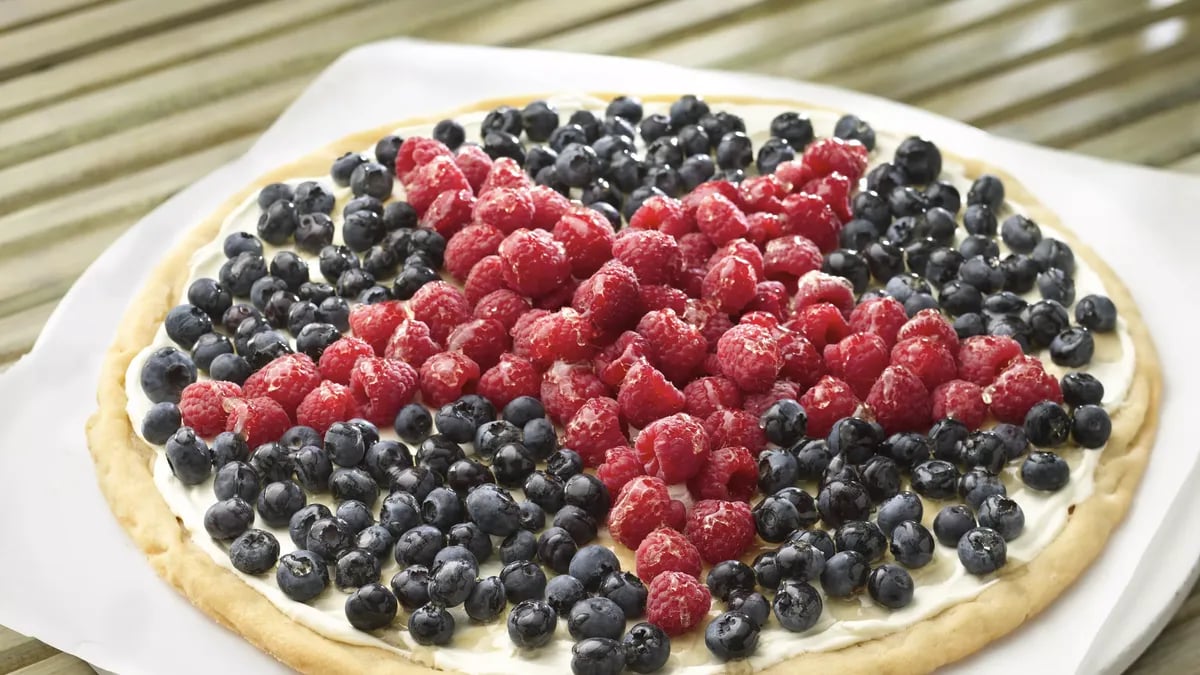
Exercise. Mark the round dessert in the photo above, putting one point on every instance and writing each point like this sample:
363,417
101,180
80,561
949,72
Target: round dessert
608,383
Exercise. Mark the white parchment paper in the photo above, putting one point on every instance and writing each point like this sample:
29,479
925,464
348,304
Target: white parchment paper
70,576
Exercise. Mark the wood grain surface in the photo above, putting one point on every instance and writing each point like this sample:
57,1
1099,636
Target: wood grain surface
108,107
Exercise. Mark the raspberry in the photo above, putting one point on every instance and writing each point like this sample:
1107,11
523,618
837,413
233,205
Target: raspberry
762,320
428,181
474,163
770,297
727,427
706,395
524,322
656,297
982,357
621,465
595,428
506,209
502,305
857,360
486,277
654,256
287,379
749,356
258,420
559,297
757,404
534,264
790,257
673,448
692,200
445,376
810,217
795,173
900,402
742,249
801,362
731,474
449,212
646,395
961,400
818,287
828,401
587,238
565,335
566,387
411,343
930,323
664,214
484,340
834,190
881,316
821,324
764,227
639,509
339,357
828,155
610,298
202,405
677,518
511,378
470,245
674,346
416,151
721,530
927,358
677,602
666,550
441,307
731,283
330,402
376,323
1018,388
763,193
614,363
696,249
711,322
505,173
720,219
382,387
548,207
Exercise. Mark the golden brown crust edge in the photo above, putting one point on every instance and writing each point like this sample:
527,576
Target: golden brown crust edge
124,471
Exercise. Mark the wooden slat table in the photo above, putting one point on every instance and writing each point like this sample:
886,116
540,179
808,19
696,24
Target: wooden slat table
107,107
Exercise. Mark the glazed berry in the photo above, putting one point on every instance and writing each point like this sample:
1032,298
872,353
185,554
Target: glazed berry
449,133
531,624
793,127
344,443
1055,284
1091,426
935,479
775,517
441,508
512,464
812,458
302,575
945,436
344,165
977,244
1047,425
772,153
797,605
418,481
850,128
328,537
355,568
533,517
978,484
188,456
861,536
890,586
1045,471
466,474
919,160
897,509
413,422
952,522
255,552
301,522
540,438
777,469
468,535
431,624
235,477
647,648
855,438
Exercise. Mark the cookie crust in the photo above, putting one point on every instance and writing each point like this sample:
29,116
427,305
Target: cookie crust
124,470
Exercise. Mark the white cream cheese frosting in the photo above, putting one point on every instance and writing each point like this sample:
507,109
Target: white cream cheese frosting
487,649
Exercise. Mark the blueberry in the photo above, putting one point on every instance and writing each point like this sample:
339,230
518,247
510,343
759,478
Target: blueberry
355,514
688,109
1054,254
983,273
628,592
958,298
850,128
229,368
911,544
380,261
165,374
449,133
897,509
980,219
1003,515
236,479
944,196
1047,425
798,606
531,624
361,230
188,457
253,551
567,134
881,477
1096,313
812,458
161,422
858,235
228,518
329,537
1055,284
1073,347
978,244
533,517
370,607
302,575
512,464
969,325
564,463
848,265
277,222
312,468
563,592
344,165
935,479
451,582
784,422
545,490
727,576
775,517
982,550
486,600
734,151
854,438
540,158
868,205
798,561
355,568
637,198
1004,303
301,522
595,617
1082,389
419,545
772,153
591,563
919,159
499,144
437,453
416,480
885,178
627,107
413,422
695,170
556,548
863,537
1045,471
354,483
468,536
376,540
983,449
907,448
399,512
1046,319
540,438
597,656
411,586
518,546
732,635
588,493
314,231
523,409
1091,426
503,118
334,311
647,648
383,456
1020,273
987,189
493,509
467,474
777,469
903,286
890,586
264,347
344,444
841,501
952,522
431,624
978,484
